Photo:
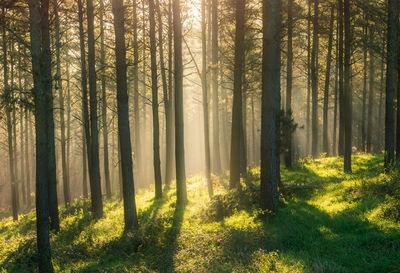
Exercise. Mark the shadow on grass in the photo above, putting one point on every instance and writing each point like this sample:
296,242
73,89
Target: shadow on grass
153,245
321,242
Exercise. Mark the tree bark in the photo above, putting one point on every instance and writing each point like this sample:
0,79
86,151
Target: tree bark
270,104
179,132
237,125
347,91
204,86
95,185
314,81
371,96
104,102
341,86
154,102
325,144
214,80
289,82
130,215
42,147
66,189
85,107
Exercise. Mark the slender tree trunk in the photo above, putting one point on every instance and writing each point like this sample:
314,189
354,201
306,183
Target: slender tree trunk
154,89
270,104
95,185
104,102
237,126
66,190
164,84
380,114
42,148
314,79
85,107
214,80
325,144
341,86
7,90
21,129
137,144
335,109
289,81
364,93
169,168
347,91
371,96
204,86
130,215
308,114
179,133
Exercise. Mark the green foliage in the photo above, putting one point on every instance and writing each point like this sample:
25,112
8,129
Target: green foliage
328,221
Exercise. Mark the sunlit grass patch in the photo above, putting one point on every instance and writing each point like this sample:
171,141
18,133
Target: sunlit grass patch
328,221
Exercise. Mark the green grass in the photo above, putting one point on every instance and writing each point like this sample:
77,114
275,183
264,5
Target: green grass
327,221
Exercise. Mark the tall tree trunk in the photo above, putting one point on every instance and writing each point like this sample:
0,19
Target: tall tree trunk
85,107
137,147
289,81
335,109
341,85
347,86
364,93
325,144
21,128
130,215
169,167
47,87
7,91
154,102
181,193
42,148
308,113
214,79
95,185
104,102
382,82
270,104
314,80
204,86
66,189
371,96
237,126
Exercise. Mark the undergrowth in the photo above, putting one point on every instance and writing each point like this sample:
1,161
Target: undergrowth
327,221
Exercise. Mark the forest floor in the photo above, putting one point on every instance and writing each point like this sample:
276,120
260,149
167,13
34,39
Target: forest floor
327,221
